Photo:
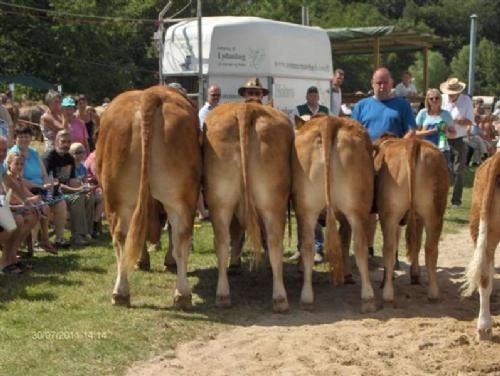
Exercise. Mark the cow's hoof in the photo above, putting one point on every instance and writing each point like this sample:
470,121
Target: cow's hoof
307,306
121,300
415,280
280,305
183,302
484,334
368,306
223,301
234,269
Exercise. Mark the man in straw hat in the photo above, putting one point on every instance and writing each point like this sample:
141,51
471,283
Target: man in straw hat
253,90
462,111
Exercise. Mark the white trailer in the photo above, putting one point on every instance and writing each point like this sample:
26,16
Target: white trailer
287,58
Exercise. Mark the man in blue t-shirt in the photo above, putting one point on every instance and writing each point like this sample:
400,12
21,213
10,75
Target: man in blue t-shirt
381,113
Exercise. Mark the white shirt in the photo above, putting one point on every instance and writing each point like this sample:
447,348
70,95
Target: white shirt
403,91
462,108
335,105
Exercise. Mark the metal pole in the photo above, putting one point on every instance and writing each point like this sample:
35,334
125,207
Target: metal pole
305,15
472,54
160,33
201,94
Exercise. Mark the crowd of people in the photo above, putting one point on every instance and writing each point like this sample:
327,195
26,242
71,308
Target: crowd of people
60,186
55,190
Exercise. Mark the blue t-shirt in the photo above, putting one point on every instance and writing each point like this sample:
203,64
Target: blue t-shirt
393,115
428,122
32,168
81,171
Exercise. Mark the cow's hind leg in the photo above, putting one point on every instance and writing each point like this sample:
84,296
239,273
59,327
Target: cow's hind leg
121,294
361,252
274,228
433,232
306,221
221,218
390,234
237,234
181,220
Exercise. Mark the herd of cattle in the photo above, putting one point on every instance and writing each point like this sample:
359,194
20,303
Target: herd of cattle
251,163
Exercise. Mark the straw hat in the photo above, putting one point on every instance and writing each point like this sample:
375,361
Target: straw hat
452,86
252,83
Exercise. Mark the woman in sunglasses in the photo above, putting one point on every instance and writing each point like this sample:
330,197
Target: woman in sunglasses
434,124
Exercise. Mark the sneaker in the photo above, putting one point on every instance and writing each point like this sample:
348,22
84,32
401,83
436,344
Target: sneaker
295,256
318,258
61,243
79,240
455,206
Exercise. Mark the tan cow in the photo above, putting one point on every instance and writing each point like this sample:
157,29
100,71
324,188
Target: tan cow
485,232
333,168
148,147
247,149
411,187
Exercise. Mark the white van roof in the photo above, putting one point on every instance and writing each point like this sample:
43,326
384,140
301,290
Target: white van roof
248,46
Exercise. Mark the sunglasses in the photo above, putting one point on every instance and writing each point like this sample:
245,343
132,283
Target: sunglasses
254,92
79,152
215,95
434,99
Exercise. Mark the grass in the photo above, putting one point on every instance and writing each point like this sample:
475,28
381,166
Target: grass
57,319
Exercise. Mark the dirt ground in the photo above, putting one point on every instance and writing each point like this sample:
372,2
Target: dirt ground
411,337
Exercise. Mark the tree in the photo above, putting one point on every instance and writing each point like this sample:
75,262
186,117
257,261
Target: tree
438,70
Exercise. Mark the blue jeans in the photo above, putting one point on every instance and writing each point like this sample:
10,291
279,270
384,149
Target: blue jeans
318,238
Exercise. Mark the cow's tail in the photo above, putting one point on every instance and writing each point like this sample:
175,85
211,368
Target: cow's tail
480,269
138,224
412,155
246,122
329,129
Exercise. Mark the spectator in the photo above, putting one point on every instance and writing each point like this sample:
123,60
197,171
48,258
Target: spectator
253,90
405,88
478,107
61,165
24,216
36,180
52,121
94,202
76,127
382,113
88,115
462,112
435,123
213,99
337,81
306,111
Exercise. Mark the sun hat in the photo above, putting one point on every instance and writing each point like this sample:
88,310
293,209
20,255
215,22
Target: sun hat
68,102
312,89
452,86
252,83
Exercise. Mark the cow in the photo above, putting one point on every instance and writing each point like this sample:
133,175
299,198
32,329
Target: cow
247,177
485,232
148,149
332,167
411,188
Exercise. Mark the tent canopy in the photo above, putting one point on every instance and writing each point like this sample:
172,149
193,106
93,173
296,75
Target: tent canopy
363,40
27,80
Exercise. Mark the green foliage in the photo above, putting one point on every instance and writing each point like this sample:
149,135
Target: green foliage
438,70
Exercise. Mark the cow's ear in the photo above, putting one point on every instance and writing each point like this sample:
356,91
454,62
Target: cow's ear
299,122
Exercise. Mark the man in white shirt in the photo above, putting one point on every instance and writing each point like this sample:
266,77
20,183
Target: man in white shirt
213,99
336,101
462,111
405,88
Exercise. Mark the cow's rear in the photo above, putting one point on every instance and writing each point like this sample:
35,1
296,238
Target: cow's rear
485,232
148,149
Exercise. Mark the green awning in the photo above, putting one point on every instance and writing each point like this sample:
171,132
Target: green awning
27,80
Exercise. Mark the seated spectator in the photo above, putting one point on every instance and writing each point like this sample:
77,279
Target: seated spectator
76,127
62,166
478,107
15,166
52,121
478,150
405,88
94,199
24,216
89,116
36,180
